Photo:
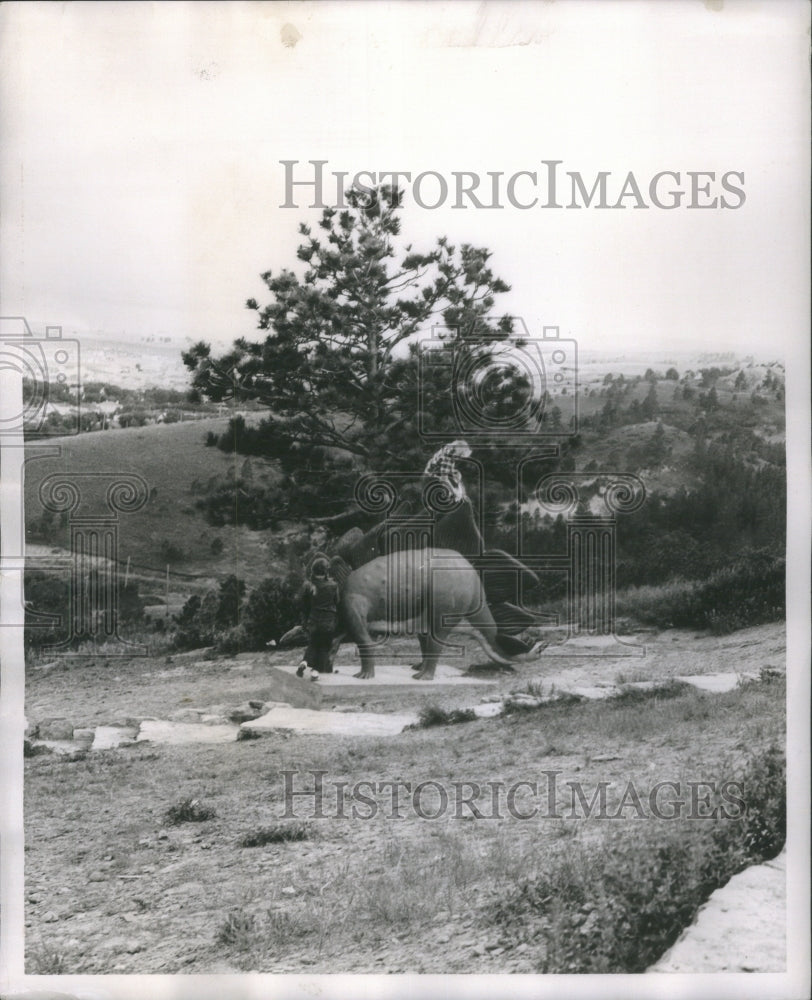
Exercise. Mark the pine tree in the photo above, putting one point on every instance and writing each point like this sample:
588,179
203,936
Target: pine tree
650,406
337,364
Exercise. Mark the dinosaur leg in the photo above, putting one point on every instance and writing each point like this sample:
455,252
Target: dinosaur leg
355,622
432,646
421,638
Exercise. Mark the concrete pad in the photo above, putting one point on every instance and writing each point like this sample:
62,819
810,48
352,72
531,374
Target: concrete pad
180,733
741,928
280,683
715,683
388,675
303,720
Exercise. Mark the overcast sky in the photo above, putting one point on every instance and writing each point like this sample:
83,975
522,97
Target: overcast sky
141,182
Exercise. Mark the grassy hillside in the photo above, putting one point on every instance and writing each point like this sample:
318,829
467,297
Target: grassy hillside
176,464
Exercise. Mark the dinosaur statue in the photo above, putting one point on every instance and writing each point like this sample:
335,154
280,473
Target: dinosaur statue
501,574
427,591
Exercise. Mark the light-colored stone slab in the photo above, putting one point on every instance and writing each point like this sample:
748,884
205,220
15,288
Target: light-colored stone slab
60,746
741,928
303,720
110,737
715,683
596,645
489,710
593,693
180,733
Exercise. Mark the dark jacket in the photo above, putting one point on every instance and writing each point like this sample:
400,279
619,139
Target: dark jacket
321,604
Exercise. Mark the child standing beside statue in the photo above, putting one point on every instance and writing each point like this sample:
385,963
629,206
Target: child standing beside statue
320,605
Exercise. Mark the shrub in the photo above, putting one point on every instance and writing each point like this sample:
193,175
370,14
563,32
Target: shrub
204,620
749,592
50,594
272,608
170,552
188,811
225,619
240,502
619,911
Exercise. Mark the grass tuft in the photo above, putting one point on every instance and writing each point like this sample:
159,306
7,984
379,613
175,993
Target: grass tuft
279,833
238,930
188,811
635,696
435,715
46,961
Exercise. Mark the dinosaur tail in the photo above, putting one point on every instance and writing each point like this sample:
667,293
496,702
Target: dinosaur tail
485,630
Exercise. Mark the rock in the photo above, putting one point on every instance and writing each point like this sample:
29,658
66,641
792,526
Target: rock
741,927
84,736
133,946
49,917
488,710
331,723
496,951
162,835
96,876
56,729
214,720
288,890
246,712
478,950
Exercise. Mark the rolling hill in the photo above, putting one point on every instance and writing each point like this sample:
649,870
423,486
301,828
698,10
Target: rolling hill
169,530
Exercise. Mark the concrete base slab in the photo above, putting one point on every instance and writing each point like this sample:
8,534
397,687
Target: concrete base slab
179,733
387,675
280,683
303,720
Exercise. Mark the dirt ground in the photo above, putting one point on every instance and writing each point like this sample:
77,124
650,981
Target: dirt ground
113,886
